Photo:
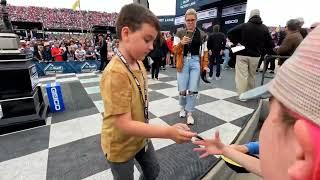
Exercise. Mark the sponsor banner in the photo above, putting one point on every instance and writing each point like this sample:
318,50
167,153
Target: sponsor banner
179,20
206,26
55,97
183,5
47,68
34,76
234,10
231,21
166,20
202,15
207,14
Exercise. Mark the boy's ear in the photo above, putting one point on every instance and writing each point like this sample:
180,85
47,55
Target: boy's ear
303,164
125,33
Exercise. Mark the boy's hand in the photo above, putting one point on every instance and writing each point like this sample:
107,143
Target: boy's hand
180,133
181,126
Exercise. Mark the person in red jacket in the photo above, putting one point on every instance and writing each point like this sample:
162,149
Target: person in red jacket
56,52
170,47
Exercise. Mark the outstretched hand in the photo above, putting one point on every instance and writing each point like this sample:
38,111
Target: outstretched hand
210,146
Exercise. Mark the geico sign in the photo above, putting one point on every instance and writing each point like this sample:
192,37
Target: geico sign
55,98
234,21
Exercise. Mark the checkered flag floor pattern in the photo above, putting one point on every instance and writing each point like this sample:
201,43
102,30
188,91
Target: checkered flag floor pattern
68,146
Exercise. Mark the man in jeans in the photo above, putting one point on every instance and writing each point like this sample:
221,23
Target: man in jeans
255,37
216,44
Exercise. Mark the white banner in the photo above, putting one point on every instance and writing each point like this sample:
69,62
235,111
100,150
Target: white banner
179,20
234,10
202,15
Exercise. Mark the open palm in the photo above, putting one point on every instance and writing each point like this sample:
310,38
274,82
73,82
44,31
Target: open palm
210,146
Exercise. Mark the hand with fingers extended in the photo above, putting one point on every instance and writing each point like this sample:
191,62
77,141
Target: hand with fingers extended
180,133
210,146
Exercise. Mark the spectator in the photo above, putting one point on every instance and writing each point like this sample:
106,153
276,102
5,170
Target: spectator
28,50
36,53
80,54
169,42
70,53
40,51
156,56
216,45
47,52
255,37
103,52
90,54
291,41
57,52
110,51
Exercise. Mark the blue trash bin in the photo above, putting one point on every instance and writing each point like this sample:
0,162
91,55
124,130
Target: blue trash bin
55,97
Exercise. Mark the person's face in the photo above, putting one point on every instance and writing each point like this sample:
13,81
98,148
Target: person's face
117,44
56,44
277,145
191,22
140,42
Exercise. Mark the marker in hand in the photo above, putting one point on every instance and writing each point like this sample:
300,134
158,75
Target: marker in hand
199,137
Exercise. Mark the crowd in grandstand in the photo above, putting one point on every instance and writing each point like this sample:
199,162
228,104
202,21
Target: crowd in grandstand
65,49
61,18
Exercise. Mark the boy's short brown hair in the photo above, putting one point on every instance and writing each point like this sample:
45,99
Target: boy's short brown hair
133,16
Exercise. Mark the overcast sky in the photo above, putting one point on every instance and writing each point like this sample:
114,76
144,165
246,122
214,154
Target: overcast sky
277,12
273,12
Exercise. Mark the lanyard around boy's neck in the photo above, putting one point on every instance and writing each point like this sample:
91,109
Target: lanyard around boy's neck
144,98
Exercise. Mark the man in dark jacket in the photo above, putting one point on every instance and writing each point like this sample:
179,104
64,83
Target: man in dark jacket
291,41
216,44
156,55
103,52
255,37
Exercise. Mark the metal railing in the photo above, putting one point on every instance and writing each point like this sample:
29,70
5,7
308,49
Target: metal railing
266,61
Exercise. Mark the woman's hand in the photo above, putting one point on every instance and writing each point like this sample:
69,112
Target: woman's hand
185,40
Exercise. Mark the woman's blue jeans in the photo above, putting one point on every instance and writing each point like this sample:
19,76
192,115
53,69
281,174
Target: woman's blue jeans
188,82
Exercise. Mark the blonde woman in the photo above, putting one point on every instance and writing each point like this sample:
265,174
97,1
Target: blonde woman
191,60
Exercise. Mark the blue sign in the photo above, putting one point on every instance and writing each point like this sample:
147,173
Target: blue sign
55,97
46,68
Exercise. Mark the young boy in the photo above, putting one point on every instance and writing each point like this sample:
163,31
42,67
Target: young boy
125,129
